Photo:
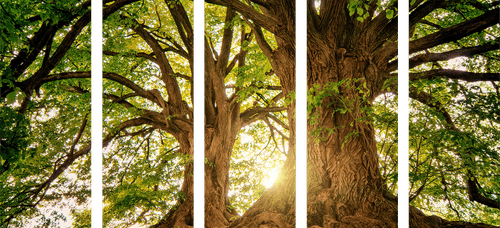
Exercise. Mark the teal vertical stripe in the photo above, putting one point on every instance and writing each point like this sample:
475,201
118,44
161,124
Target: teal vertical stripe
300,58
96,114
199,111
403,114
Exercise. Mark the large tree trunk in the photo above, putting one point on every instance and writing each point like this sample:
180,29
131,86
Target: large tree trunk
216,187
220,136
344,184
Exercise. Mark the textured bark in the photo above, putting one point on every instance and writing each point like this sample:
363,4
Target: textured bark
218,146
345,188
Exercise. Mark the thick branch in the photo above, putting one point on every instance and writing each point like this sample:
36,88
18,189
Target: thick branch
463,52
149,56
181,19
227,39
475,194
450,34
253,114
168,76
130,84
455,74
455,32
22,61
249,12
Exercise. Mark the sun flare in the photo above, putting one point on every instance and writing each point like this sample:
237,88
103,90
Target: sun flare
271,176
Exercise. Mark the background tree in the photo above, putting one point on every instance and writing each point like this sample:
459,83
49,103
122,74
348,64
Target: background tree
45,96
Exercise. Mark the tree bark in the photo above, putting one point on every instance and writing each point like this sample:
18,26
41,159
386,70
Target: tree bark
350,60
344,183
220,135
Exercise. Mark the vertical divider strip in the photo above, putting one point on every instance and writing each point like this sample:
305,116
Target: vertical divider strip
403,114
96,115
301,112
199,117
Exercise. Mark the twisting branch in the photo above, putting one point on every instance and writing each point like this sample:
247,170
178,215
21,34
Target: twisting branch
273,128
43,37
33,194
79,135
251,115
130,84
275,119
166,70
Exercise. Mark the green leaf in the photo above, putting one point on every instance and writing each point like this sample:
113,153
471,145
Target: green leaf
360,11
11,97
389,14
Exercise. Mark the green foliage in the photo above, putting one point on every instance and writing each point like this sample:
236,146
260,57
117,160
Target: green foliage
14,139
440,157
358,9
348,96
143,165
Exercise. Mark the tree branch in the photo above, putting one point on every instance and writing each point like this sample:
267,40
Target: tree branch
227,39
455,32
273,128
182,23
79,135
249,12
130,84
475,194
22,61
455,74
463,52
168,76
275,119
472,184
253,114
149,56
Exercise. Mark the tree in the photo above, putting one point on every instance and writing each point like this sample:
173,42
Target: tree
351,60
45,111
250,75
157,107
